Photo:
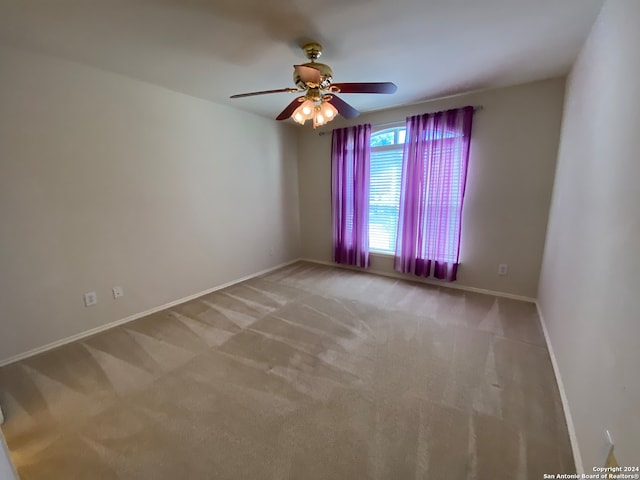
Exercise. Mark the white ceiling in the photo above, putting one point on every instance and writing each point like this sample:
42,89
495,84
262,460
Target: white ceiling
215,48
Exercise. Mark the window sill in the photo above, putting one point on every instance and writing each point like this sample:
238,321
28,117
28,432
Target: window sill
381,254
391,255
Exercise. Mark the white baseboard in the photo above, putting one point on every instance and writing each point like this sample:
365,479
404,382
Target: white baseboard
425,280
130,318
577,458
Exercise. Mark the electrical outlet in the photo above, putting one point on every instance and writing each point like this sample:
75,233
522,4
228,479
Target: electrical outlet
90,298
502,269
117,292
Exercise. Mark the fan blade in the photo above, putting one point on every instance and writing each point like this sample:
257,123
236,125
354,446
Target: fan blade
286,113
264,92
308,74
371,87
344,109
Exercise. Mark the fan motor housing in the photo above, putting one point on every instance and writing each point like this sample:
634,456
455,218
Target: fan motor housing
326,75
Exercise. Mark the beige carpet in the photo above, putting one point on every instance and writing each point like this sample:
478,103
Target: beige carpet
310,372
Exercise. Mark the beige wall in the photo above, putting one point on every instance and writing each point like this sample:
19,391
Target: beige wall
513,155
590,281
107,181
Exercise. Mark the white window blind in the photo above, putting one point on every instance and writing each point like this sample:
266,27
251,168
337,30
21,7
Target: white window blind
384,195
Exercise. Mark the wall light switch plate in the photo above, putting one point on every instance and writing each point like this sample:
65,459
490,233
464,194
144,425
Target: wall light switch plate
90,298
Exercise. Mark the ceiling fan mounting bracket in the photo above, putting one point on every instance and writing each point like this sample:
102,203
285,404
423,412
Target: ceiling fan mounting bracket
312,50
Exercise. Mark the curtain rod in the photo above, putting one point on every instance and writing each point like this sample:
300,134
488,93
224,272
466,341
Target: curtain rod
476,108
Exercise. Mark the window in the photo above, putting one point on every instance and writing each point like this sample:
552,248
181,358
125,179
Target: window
386,176
384,194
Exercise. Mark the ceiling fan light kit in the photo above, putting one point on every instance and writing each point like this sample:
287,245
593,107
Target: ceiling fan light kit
320,112
319,102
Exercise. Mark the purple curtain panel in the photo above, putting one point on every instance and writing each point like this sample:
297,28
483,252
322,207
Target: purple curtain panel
350,151
434,174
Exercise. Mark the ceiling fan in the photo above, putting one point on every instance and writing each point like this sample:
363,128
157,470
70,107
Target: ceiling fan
320,102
